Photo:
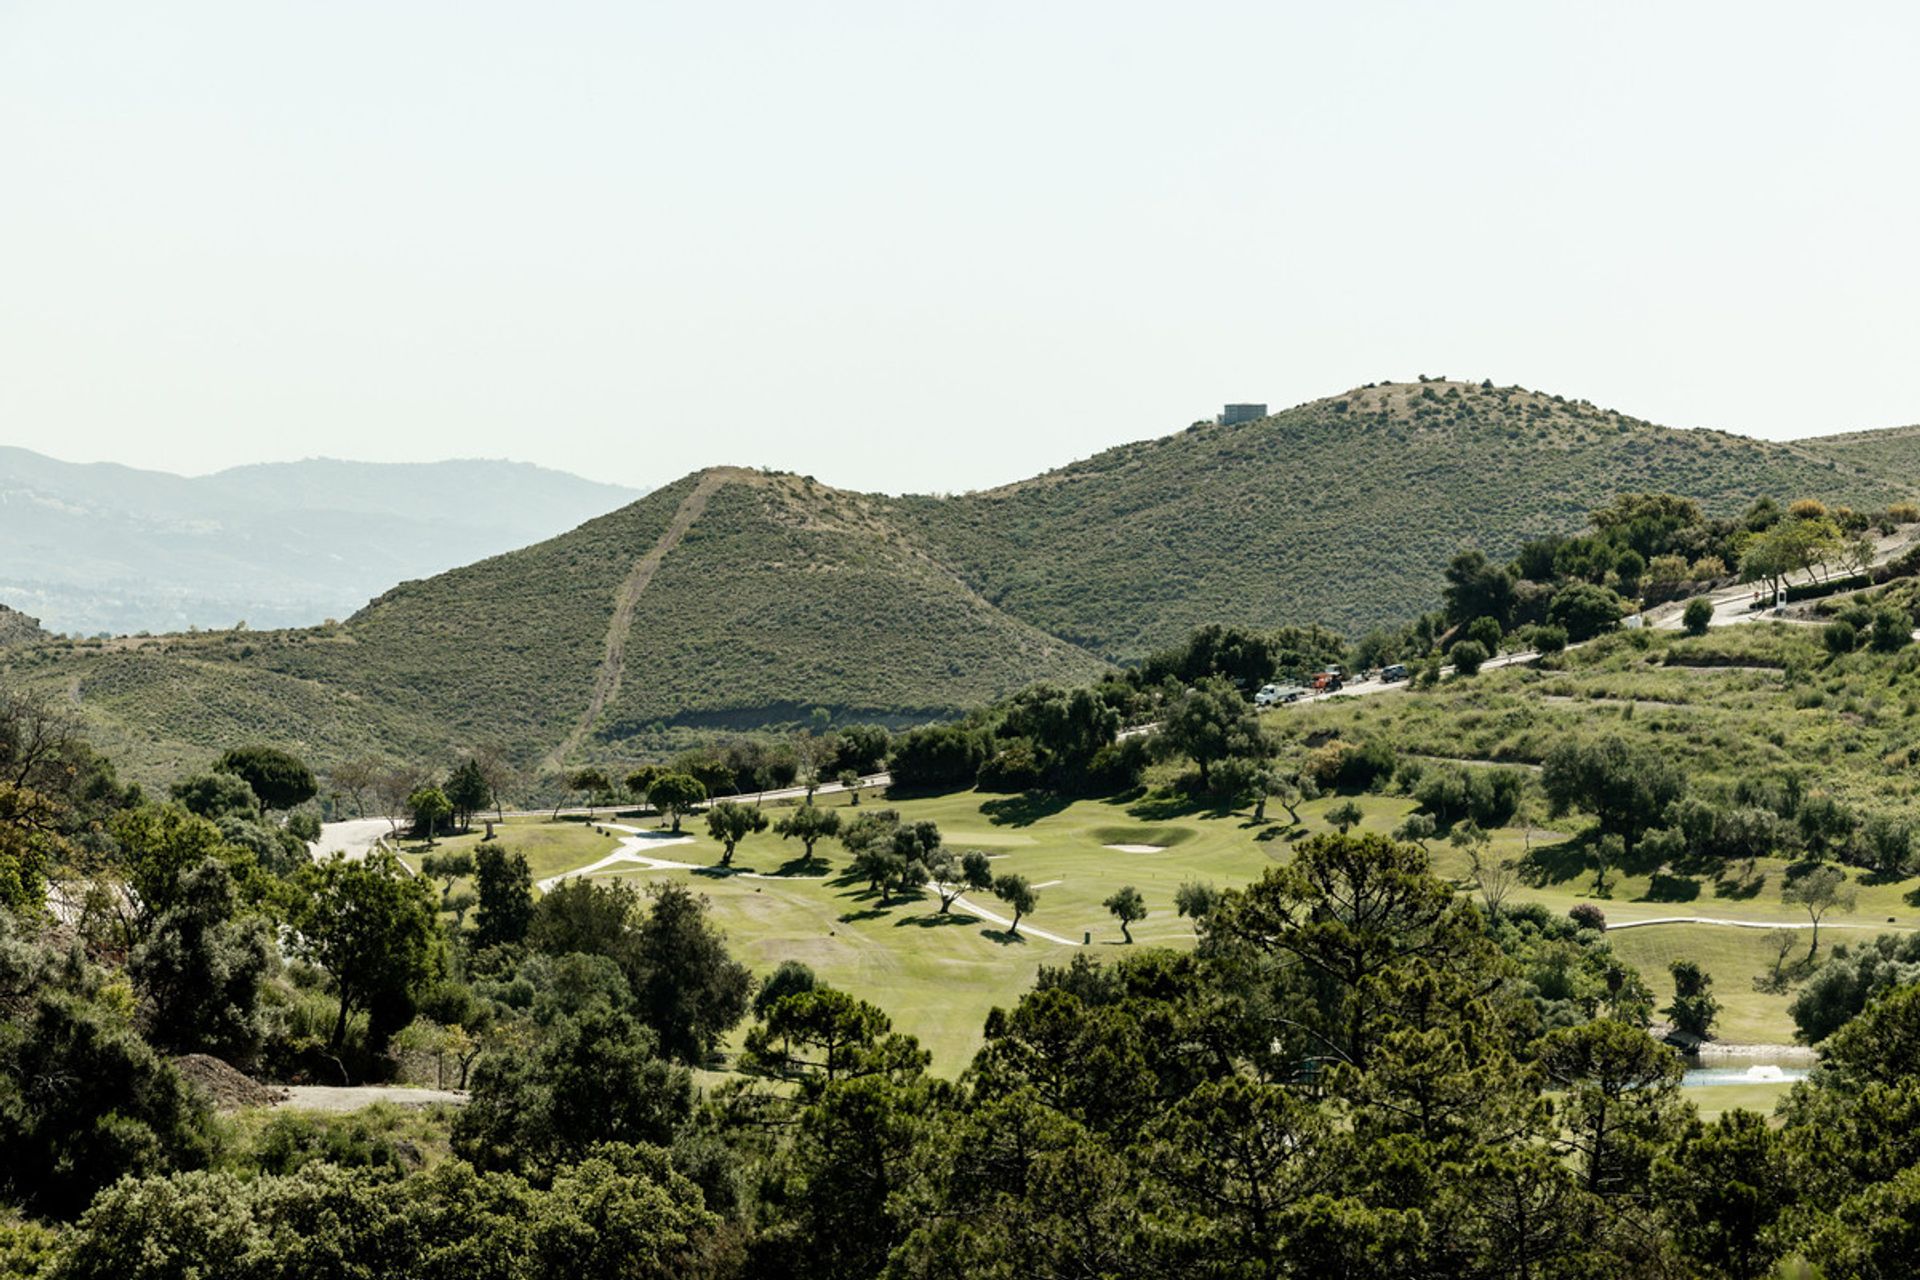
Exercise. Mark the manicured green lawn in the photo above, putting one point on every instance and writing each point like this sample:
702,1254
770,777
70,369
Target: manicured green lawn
1739,960
1721,1098
939,976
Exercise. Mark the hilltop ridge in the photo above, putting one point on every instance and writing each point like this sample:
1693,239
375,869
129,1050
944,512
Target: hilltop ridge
738,598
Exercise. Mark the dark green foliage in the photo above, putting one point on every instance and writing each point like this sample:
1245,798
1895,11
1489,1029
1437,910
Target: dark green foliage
1208,723
370,924
675,795
1486,632
730,823
1697,616
595,1077
861,748
1549,639
686,986
1623,1097
1722,1188
1892,630
1624,784
278,778
791,978
468,791
621,1210
1583,610
1852,975
1477,589
83,1099
217,795
935,756
201,968
808,824
1840,637
1488,796
503,887
1694,1008
1467,657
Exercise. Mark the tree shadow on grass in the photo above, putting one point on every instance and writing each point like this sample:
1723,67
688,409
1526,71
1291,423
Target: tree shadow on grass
1667,887
936,920
800,869
1164,806
1005,937
1024,809
867,913
1555,863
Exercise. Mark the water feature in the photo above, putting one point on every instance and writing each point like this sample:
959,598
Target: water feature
1756,1073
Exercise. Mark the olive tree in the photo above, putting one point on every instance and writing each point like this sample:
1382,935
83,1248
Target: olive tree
1128,907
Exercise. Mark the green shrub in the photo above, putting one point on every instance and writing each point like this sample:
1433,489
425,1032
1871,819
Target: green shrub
1467,657
1698,615
1892,630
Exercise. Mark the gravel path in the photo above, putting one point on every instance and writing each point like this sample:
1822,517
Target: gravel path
322,1097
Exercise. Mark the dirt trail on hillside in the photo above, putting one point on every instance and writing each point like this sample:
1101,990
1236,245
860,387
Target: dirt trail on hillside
606,682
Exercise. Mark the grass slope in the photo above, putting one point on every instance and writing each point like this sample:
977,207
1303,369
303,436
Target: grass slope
780,595
1342,511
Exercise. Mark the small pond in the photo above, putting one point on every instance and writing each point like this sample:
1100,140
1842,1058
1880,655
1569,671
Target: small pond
1754,1073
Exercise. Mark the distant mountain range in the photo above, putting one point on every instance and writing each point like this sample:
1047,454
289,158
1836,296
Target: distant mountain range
740,599
91,547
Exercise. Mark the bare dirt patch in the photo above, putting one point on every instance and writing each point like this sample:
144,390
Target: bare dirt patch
226,1088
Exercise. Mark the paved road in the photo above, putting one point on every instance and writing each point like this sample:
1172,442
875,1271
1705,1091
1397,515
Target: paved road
355,837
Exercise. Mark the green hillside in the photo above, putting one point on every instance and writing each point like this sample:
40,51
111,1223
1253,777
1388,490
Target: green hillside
728,599
1342,511
1892,452
737,599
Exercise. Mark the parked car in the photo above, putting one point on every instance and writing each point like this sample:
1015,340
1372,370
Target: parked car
1398,671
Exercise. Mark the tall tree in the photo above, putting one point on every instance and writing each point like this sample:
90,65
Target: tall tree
280,778
591,782
1017,893
675,795
430,807
1818,892
1626,785
1128,907
504,887
809,824
1622,1102
1206,724
688,988
730,823
370,925
468,791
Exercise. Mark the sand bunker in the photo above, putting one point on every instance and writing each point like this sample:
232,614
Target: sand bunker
1136,848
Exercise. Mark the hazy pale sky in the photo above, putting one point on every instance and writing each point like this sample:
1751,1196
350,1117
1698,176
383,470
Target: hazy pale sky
932,247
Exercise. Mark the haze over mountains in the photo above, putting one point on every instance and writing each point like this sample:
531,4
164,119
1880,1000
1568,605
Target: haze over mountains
91,547
735,599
